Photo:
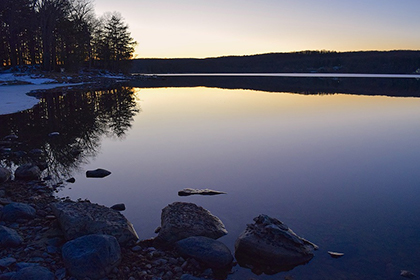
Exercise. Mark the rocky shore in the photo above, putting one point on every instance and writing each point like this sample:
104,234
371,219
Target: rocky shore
42,240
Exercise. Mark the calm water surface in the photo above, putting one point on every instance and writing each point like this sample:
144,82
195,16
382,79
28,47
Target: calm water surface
340,170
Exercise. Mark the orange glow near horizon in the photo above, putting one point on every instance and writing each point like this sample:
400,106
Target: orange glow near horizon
199,29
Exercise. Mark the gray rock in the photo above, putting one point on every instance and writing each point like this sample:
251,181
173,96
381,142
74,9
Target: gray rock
28,172
6,262
82,218
188,191
92,256
9,237
268,242
4,175
118,207
97,173
210,252
16,210
33,273
180,220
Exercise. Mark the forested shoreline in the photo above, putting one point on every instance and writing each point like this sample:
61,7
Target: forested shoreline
382,62
62,34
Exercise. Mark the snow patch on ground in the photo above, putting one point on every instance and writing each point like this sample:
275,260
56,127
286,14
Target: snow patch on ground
6,78
15,99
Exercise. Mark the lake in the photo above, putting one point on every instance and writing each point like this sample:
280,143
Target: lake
341,170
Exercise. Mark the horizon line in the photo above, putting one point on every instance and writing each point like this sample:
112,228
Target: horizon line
290,52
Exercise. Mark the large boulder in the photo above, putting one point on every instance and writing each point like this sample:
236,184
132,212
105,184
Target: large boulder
82,218
180,220
9,237
4,174
92,256
210,252
16,210
33,273
28,172
270,246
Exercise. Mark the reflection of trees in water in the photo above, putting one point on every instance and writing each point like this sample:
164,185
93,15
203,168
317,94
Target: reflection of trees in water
81,118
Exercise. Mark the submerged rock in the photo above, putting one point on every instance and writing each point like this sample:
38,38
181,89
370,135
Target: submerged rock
4,175
210,252
28,172
82,218
188,191
97,173
92,256
180,220
269,246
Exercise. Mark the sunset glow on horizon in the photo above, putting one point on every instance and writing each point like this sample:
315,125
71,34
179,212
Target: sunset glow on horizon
198,29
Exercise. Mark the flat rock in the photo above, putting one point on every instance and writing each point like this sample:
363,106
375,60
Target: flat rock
335,255
270,246
16,210
97,173
210,252
180,220
33,273
188,191
92,256
82,218
28,172
4,175
9,237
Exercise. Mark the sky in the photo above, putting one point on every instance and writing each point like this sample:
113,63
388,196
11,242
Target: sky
199,29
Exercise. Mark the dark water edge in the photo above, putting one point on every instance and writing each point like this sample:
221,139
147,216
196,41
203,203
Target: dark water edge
299,85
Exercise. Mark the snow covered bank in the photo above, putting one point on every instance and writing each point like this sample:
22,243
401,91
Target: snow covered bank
14,98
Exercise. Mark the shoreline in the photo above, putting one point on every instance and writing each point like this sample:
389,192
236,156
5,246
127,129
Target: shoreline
43,239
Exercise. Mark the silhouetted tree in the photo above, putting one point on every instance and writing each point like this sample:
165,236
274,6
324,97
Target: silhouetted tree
61,33
116,45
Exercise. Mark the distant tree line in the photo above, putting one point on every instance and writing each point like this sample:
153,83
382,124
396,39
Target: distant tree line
62,34
298,62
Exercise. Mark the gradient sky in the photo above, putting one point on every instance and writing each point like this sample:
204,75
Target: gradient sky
198,28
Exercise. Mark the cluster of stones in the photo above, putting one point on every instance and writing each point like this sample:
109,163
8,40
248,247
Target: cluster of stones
42,237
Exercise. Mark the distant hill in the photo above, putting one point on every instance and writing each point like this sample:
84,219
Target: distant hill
381,62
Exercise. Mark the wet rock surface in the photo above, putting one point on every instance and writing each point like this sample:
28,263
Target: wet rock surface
180,220
269,246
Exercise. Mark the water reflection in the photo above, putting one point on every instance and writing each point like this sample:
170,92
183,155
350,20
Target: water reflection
320,86
82,118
